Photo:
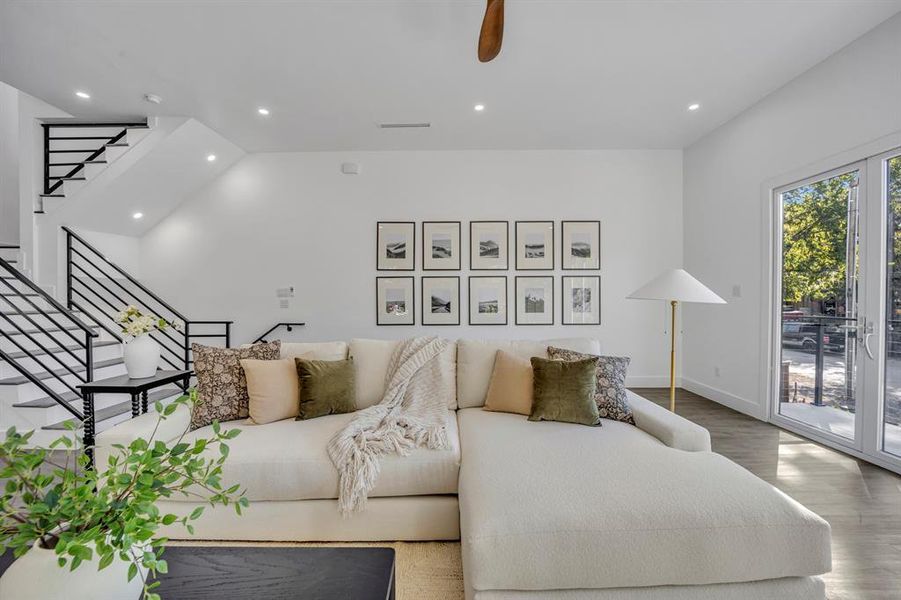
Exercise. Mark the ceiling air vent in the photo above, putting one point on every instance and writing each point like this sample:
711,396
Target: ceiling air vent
404,125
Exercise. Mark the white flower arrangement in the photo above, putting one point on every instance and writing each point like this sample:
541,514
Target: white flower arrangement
134,323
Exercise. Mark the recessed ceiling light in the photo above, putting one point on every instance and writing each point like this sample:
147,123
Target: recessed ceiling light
263,111
479,107
137,215
211,157
694,106
83,95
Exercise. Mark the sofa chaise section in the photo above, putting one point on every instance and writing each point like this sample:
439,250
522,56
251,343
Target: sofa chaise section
554,506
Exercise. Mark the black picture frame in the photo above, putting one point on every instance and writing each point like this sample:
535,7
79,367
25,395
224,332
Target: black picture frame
506,266
506,301
412,225
516,300
550,246
422,303
426,253
563,279
563,249
413,300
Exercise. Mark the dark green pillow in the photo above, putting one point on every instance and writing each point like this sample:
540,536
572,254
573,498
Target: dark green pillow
564,391
326,387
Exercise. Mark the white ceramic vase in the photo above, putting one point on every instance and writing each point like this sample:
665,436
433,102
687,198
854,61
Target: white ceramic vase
37,576
142,357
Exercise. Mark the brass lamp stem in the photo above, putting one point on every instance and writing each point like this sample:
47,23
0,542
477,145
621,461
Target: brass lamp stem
672,358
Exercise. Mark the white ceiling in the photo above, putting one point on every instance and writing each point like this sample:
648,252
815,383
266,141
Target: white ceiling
572,74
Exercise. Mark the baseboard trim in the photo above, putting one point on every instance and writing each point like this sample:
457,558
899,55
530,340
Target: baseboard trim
742,405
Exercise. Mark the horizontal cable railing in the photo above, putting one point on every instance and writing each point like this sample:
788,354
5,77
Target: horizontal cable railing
39,329
287,326
101,289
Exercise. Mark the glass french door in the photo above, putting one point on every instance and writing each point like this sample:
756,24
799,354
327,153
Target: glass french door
838,307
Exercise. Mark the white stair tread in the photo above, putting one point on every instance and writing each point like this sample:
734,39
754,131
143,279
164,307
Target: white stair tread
20,379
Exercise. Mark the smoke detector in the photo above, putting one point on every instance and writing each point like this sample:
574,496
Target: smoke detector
152,98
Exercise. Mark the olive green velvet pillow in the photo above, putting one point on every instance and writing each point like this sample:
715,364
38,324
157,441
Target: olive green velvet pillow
564,391
326,387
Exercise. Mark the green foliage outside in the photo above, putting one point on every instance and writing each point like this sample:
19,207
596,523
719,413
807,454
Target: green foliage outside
815,221
814,234
83,513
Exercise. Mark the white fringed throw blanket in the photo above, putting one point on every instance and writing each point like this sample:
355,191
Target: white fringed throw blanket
410,415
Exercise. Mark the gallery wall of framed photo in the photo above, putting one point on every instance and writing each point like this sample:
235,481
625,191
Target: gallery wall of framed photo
495,285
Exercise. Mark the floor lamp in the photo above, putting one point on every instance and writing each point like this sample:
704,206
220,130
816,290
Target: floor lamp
675,286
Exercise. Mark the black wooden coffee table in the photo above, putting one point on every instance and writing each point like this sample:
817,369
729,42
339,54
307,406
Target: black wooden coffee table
254,572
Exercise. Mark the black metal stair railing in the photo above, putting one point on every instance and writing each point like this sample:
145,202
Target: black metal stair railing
86,150
29,314
287,326
99,288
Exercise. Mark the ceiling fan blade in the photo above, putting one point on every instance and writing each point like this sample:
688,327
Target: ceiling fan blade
492,33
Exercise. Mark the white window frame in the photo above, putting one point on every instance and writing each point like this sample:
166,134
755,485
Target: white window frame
867,445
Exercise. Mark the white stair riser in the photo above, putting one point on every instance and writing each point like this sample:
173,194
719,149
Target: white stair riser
28,321
8,298
29,391
70,187
136,135
112,153
51,204
48,341
55,414
100,354
92,170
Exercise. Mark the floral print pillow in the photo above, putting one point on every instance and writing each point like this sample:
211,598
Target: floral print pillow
221,383
610,389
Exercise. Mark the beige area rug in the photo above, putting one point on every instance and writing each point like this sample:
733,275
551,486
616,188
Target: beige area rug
432,570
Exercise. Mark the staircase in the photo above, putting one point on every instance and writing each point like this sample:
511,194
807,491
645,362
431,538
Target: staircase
75,153
48,348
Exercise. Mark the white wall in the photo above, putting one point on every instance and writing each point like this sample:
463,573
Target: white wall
850,99
284,219
124,250
9,164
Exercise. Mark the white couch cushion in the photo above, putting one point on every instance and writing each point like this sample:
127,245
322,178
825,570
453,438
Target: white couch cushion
315,350
475,362
371,358
287,460
563,506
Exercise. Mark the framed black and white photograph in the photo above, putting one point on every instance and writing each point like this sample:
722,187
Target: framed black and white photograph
487,300
534,245
489,245
394,301
395,246
535,300
440,300
581,245
441,248
581,300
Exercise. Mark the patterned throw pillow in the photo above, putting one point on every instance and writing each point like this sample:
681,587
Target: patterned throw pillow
610,391
221,383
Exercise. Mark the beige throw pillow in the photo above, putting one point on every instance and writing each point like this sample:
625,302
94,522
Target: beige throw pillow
510,389
273,388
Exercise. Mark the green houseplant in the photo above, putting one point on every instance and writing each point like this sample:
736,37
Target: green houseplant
84,521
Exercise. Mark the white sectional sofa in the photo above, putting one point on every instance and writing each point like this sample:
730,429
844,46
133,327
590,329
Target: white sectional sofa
543,510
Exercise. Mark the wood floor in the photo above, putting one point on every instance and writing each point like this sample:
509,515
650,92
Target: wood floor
862,502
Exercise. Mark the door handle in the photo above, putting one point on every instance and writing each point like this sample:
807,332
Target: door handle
868,332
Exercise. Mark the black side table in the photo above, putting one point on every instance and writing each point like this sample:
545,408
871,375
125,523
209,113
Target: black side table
122,384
